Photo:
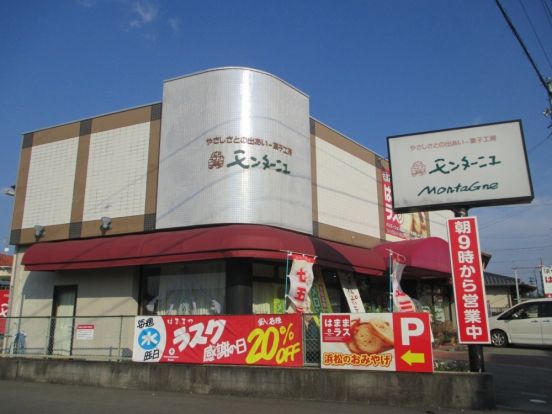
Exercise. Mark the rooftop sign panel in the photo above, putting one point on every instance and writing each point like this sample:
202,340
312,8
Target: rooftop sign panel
462,167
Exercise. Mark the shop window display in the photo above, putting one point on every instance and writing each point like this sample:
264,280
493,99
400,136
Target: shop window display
185,289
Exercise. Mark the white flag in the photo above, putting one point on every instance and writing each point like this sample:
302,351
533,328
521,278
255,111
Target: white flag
300,283
401,301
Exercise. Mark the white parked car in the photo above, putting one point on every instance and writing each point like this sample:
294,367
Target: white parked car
527,323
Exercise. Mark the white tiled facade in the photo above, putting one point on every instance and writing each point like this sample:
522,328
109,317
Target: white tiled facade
347,190
49,195
117,169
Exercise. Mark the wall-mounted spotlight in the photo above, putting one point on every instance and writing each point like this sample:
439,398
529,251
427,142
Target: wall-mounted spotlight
39,231
105,223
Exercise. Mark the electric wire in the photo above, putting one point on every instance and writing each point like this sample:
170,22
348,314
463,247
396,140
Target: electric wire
547,12
535,33
527,54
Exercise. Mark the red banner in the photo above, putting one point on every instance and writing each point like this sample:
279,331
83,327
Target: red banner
467,277
274,340
4,298
376,341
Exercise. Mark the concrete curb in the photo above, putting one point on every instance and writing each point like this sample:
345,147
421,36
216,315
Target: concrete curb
442,389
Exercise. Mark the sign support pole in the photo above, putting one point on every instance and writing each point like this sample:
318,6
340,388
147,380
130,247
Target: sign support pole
475,351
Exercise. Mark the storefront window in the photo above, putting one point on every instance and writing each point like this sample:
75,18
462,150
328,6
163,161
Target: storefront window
268,287
185,289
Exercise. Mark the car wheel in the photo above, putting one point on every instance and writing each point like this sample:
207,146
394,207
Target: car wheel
499,338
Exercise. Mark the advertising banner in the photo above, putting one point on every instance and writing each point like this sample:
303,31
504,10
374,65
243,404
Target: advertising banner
4,298
547,281
350,290
376,341
274,340
300,283
467,277
401,301
402,226
469,166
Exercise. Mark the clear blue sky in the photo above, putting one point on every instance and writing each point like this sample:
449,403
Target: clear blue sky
371,68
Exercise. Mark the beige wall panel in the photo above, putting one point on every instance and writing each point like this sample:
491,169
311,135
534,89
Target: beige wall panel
328,232
119,225
51,233
105,292
121,119
327,134
55,134
153,167
49,192
347,191
21,188
438,223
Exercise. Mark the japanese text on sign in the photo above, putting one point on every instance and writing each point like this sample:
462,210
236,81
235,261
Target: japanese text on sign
469,288
247,339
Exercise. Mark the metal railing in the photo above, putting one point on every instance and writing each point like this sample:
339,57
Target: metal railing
80,337
104,338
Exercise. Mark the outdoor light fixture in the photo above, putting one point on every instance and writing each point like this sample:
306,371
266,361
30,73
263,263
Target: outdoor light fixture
39,231
106,223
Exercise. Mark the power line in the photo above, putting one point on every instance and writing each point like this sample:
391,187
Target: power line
535,32
520,41
547,12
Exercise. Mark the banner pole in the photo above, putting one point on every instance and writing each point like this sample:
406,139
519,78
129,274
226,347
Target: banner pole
390,304
286,283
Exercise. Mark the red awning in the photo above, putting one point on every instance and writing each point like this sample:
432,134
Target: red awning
430,255
207,243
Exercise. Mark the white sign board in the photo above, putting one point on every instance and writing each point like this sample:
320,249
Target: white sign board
547,281
463,167
85,332
235,148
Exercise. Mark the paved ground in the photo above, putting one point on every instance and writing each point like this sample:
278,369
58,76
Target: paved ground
25,397
523,380
522,376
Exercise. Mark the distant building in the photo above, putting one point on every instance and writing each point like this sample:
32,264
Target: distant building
501,291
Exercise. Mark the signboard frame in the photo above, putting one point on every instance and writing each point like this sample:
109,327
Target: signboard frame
466,202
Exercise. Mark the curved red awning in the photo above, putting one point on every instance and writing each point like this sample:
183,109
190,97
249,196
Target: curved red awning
430,254
206,243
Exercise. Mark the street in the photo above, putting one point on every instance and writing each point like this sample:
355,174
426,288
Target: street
522,376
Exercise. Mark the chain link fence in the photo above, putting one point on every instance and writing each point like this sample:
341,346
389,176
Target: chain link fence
87,337
105,338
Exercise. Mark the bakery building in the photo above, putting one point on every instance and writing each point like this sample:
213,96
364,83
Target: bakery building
193,205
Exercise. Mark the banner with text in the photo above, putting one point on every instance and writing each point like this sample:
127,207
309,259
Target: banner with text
376,341
401,301
467,277
300,283
350,290
274,340
547,281
4,298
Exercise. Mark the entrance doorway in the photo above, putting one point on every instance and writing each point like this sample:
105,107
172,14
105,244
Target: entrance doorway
62,321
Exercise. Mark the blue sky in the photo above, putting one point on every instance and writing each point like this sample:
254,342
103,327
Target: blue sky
372,69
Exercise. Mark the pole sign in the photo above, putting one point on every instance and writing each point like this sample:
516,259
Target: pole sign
547,281
376,341
462,167
274,340
467,277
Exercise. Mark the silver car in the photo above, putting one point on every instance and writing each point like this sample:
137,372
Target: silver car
527,323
